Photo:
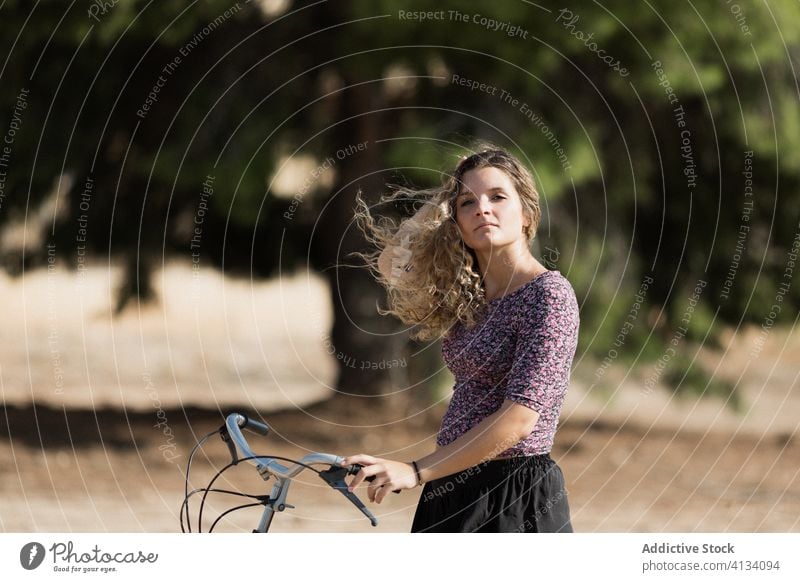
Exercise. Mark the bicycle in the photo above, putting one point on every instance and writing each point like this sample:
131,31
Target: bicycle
268,467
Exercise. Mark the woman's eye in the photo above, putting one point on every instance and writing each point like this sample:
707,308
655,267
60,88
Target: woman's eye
465,202
499,197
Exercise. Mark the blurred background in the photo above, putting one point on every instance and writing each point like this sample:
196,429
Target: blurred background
177,189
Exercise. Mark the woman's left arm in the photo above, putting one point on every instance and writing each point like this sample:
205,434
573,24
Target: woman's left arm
542,360
497,432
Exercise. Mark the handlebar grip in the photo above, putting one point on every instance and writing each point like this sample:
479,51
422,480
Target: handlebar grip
253,425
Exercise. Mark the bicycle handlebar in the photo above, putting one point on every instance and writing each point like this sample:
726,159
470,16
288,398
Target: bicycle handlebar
236,421
254,425
334,476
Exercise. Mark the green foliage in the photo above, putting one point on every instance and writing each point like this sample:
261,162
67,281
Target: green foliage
249,88
688,379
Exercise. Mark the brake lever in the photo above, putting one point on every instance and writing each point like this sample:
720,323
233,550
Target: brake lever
335,478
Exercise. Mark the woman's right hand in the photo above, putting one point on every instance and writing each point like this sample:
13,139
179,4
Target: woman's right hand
389,475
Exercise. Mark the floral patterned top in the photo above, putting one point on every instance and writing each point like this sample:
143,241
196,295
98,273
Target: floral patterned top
521,349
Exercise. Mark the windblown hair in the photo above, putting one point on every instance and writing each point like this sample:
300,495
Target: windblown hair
435,280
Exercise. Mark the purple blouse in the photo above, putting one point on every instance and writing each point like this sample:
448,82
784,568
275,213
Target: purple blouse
521,349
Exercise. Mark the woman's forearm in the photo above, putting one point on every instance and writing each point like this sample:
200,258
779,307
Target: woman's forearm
483,442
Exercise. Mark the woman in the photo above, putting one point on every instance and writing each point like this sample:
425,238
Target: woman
462,268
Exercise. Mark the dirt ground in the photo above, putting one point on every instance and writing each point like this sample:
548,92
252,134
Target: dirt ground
100,413
619,478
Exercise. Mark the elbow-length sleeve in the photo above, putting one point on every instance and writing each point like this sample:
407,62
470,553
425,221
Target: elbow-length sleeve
547,337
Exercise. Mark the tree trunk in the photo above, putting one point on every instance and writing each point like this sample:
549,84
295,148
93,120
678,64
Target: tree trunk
136,280
367,345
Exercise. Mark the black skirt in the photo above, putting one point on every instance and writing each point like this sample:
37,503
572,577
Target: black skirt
520,494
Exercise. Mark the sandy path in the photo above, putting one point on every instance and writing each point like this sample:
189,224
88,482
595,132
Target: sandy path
634,459
618,479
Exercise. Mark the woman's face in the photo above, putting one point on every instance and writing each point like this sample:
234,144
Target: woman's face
489,212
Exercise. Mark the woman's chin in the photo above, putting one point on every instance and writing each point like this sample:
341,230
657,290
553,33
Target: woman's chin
484,237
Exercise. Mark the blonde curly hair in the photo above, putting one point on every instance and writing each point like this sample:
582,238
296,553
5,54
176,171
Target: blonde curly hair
430,275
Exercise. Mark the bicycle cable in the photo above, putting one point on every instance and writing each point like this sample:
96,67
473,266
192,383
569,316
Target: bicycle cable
197,446
185,503
232,464
231,510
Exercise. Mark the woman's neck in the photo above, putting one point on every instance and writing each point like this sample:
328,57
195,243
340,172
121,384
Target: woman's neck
505,269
